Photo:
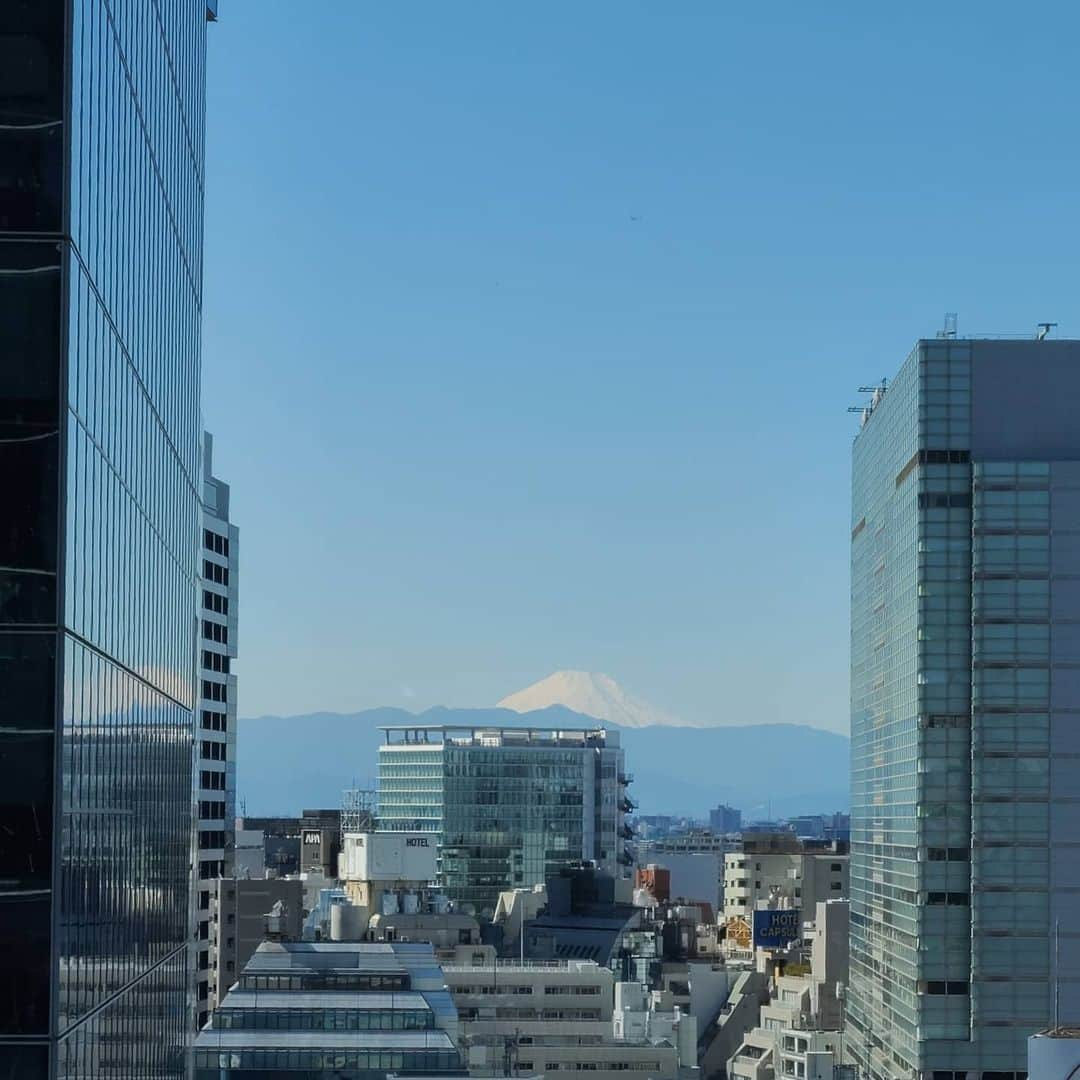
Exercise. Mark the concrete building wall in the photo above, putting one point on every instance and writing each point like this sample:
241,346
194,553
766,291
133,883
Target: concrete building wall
239,908
539,1019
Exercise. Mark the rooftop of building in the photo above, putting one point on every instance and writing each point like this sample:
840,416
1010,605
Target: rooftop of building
438,735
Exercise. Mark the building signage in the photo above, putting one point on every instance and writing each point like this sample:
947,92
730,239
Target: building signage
312,838
776,929
416,841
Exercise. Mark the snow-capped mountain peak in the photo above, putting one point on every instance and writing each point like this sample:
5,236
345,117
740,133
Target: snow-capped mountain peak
593,694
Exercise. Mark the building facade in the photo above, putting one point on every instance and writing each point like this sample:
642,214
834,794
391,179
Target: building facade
965,594
725,819
102,111
353,1011
796,878
551,1017
238,911
511,806
216,741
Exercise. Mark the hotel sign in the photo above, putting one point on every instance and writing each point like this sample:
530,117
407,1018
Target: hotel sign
776,929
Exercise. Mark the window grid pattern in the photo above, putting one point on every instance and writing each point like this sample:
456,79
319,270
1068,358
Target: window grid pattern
911,602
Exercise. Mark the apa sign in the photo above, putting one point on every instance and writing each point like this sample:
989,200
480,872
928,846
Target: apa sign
776,929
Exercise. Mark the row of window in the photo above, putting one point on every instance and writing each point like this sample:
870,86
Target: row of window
214,721
942,1074
325,981
212,781
213,602
954,899
209,839
219,545
213,661
599,1066
324,1019
213,691
212,751
952,854
218,574
215,632
208,1062
210,811
951,988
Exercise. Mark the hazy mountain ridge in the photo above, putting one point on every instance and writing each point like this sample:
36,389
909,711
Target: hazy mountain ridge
285,763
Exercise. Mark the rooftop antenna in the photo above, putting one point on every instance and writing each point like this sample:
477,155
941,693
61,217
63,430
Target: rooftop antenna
1044,329
948,330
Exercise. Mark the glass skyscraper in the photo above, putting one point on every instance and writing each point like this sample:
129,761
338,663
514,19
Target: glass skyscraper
101,195
965,697
512,806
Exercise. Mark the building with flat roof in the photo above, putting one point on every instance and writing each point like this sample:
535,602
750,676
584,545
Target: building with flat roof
965,700
353,1010
509,806
558,1017
238,910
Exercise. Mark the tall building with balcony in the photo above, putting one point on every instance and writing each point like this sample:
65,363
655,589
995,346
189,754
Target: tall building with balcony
965,709
216,738
511,806
102,110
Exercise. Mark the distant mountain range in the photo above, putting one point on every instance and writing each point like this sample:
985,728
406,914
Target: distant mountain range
286,763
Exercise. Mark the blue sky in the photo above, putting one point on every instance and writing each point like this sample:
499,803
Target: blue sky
530,329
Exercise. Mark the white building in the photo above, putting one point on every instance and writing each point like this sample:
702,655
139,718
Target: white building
560,1018
799,1029
215,742
756,878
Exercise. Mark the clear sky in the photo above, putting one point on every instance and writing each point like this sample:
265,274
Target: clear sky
530,328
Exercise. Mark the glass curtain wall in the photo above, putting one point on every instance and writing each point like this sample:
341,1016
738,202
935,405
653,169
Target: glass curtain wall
101,190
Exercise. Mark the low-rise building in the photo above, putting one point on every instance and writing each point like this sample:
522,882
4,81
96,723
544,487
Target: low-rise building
333,1009
798,1033
545,1018
779,871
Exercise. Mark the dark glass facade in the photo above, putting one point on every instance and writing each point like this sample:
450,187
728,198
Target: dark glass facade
101,189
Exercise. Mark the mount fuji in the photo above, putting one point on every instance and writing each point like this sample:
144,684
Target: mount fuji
591,694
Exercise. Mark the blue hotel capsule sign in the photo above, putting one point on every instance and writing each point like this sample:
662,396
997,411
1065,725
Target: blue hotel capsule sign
776,929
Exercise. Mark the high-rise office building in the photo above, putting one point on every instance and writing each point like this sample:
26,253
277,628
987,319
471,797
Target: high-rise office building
725,819
512,806
965,683
101,192
216,737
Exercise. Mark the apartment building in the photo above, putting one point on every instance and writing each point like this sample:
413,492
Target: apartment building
215,743
550,1018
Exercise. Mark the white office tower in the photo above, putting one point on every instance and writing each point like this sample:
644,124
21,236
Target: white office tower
215,739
